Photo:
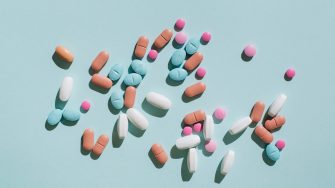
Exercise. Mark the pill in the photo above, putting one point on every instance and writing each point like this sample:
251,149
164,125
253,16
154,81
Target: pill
101,81
88,139
210,146
280,144
192,46
141,46
64,54
227,162
194,117
132,79
178,57
192,160
85,105
187,130
99,62
257,111
290,73
139,67
197,127
129,96
275,123
220,113
54,117
163,38
122,125
201,72
71,115
116,72
208,129
263,134
158,100
187,142
153,54
206,37
250,50
116,100
195,89
277,105
159,153
272,152
178,74
240,125
180,24
65,89
193,62
180,38
100,145
137,119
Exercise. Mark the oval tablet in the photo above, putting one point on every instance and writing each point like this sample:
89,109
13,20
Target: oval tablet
272,152
100,61
277,105
187,142
137,119
195,89
64,54
65,89
275,123
193,62
132,79
227,162
208,129
192,160
88,139
117,100
122,125
159,153
100,144
163,38
101,81
263,134
71,115
178,57
129,96
240,125
178,74
54,117
141,46
257,111
158,100
139,67
194,117
116,72
192,46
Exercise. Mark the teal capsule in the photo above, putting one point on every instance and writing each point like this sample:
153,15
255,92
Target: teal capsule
139,67
54,117
178,74
192,46
116,72
178,57
132,79
71,115
272,152
117,100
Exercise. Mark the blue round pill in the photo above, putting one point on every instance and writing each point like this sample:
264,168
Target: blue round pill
178,74
192,46
116,72
132,79
178,57
139,67
272,152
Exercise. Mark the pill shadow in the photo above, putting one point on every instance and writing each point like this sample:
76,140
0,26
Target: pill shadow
287,78
171,82
97,88
132,129
170,65
267,160
229,138
111,108
60,62
69,123
116,140
198,77
245,58
216,121
94,156
82,110
148,108
253,125
218,176
185,174
176,28
203,42
153,47
176,45
187,99
82,150
150,60
91,71
201,146
58,103
257,140
176,153
49,127
154,160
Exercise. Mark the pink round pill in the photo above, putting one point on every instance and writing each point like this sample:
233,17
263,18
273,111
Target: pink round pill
180,38
210,146
197,127
85,105
280,144
201,72
180,23
220,113
206,37
290,73
153,54
187,130
250,50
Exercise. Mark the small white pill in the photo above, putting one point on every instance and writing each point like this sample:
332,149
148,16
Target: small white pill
240,125
227,162
158,100
137,119
192,160
65,90
122,125
187,142
277,105
208,129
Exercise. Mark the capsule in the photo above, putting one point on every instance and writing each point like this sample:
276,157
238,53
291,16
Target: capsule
163,38
193,62
159,153
194,117
263,134
88,139
99,62
257,111
141,46
129,96
195,89
101,81
100,144
64,54
275,123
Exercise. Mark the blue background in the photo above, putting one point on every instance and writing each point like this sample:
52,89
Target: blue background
287,33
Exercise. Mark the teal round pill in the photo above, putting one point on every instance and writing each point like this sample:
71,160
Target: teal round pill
71,115
132,79
139,67
192,46
54,117
272,152
116,72
117,100
178,74
178,57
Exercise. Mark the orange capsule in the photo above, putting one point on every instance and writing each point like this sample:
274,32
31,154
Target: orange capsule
100,61
257,111
129,96
88,139
194,117
275,123
159,153
193,62
100,144
163,38
64,54
141,46
101,81
264,134
195,89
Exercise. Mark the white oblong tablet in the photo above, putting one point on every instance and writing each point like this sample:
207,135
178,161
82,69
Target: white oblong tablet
277,105
240,125
158,100
137,119
65,89
208,129
227,162
187,142
122,126
192,160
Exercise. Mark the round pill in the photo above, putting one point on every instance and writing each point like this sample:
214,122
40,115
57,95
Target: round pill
85,105
206,37
139,67
187,130
210,146
153,54
116,72
201,72
178,57
250,50
272,152
178,74
280,144
220,113
180,23
290,73
180,38
132,79
197,127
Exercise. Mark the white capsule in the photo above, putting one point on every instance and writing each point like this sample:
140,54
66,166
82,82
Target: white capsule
122,125
187,142
227,162
137,119
277,105
65,90
208,129
192,160
158,100
240,125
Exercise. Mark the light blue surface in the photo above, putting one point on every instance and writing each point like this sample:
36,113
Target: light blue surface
286,33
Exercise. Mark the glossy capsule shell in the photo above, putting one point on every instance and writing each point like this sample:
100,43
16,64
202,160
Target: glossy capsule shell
159,153
195,89
64,54
101,81
194,117
141,46
275,123
263,134
257,111
88,139
99,62
100,145
129,96
193,62
163,38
